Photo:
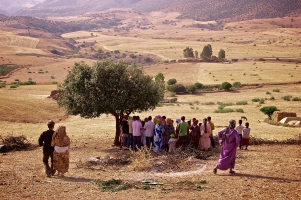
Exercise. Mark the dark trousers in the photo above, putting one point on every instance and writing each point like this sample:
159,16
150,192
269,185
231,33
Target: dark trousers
149,141
240,146
48,170
212,141
136,142
126,140
183,141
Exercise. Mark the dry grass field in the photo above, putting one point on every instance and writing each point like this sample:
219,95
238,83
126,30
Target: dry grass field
263,172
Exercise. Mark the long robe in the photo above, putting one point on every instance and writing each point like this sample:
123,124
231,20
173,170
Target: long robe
228,151
158,138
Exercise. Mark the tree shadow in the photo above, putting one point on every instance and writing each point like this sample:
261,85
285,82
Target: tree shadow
76,179
262,177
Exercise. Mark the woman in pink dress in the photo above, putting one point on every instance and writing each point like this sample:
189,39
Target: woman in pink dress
205,142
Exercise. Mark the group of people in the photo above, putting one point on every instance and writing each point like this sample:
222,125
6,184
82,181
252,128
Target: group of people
160,133
56,145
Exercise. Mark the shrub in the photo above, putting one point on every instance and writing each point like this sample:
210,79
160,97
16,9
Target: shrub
296,99
239,110
17,79
192,89
287,98
52,77
223,110
198,85
209,103
54,51
261,101
176,88
268,92
269,110
172,81
226,86
256,100
172,94
13,86
224,104
173,100
241,103
116,51
132,56
237,84
54,82
166,61
2,85
147,59
272,98
276,90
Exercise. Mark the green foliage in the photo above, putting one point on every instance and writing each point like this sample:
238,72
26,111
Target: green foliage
209,103
13,86
237,84
224,104
192,89
196,53
207,52
109,88
5,69
2,85
256,99
116,51
52,77
172,94
242,103
172,81
269,110
177,88
287,98
223,110
226,86
173,100
272,98
261,101
268,92
296,99
198,85
113,185
221,54
188,52
276,90
239,110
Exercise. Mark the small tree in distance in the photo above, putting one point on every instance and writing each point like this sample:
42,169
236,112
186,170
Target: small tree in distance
207,52
269,110
221,54
226,86
172,81
188,52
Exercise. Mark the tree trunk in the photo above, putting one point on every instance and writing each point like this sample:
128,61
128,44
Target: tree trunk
117,133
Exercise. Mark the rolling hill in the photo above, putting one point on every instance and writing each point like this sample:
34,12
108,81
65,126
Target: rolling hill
230,10
12,6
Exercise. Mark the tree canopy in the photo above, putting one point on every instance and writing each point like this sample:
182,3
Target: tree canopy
221,54
207,52
268,110
109,88
188,52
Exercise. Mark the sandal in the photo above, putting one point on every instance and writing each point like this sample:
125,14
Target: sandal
231,172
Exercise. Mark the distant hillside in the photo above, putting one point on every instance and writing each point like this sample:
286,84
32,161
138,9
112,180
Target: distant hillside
196,9
3,12
11,6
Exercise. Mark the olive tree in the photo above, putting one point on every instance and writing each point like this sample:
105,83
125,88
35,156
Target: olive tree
108,88
269,110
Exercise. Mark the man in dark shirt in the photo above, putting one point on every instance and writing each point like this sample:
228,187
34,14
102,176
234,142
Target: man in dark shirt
45,141
125,131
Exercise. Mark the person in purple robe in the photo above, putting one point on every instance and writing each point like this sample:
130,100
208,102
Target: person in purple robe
229,140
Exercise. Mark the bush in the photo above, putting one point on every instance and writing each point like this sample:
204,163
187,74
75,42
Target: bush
54,82
296,99
261,101
192,89
268,92
132,56
116,51
198,85
2,85
54,51
4,69
172,94
276,90
176,88
13,86
52,77
269,110
287,98
272,98
242,103
237,84
173,100
256,100
209,103
224,104
239,110
226,86
172,81
223,110
147,59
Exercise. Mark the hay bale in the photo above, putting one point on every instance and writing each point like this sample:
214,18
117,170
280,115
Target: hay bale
277,115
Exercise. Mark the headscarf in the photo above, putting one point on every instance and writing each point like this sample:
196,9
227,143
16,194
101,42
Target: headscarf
178,120
158,119
232,124
61,134
168,120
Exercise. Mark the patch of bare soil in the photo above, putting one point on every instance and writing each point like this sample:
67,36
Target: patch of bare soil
263,172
